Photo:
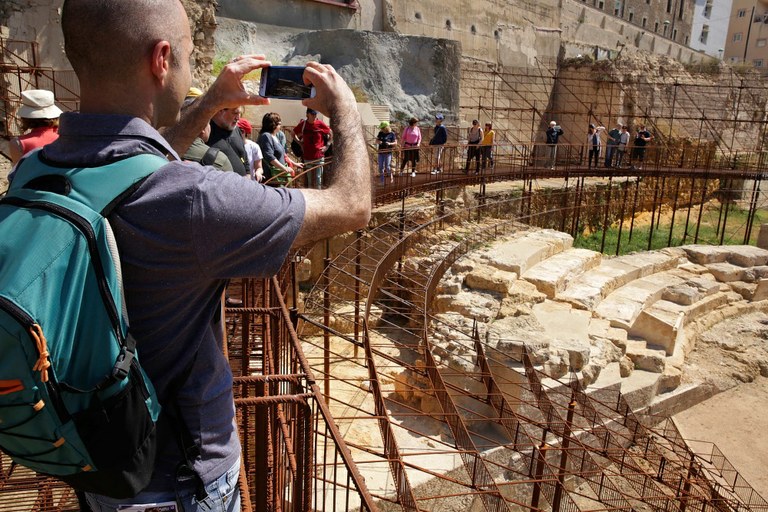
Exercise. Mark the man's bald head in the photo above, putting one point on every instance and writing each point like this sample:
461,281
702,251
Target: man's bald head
110,38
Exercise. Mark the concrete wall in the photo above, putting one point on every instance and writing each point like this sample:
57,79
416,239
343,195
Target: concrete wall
498,31
717,30
585,27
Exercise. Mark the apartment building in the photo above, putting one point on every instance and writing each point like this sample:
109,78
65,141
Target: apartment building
747,38
709,30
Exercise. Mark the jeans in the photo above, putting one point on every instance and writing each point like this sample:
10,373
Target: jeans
486,152
223,496
551,155
594,152
317,173
610,154
385,161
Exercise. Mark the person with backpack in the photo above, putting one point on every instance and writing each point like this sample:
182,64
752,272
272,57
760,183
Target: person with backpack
185,230
315,138
642,138
199,150
621,149
611,145
474,137
226,136
438,140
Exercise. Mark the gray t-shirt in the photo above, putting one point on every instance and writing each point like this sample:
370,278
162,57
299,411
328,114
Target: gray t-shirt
181,236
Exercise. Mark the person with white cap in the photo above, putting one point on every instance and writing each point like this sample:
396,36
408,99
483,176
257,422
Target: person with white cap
439,139
40,117
553,133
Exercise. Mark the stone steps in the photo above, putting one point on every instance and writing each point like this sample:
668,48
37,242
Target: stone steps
554,274
526,250
614,321
592,286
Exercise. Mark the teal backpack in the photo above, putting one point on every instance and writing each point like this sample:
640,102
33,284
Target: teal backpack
74,402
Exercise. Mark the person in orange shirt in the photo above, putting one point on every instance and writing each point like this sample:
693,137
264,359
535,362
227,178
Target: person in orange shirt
39,117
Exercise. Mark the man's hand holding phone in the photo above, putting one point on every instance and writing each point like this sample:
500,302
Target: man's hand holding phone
285,82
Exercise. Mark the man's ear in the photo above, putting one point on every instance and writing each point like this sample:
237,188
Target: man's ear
161,60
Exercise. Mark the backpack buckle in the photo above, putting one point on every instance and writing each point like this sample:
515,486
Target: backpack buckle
123,363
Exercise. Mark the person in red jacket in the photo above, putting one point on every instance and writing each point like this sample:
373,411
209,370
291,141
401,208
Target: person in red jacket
39,117
315,137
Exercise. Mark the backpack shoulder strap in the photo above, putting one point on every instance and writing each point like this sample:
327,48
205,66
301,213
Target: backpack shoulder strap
100,188
210,156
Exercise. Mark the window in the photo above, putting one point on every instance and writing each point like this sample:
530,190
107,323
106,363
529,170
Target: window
617,10
742,13
758,63
645,21
669,5
680,10
704,34
760,43
648,2
631,16
601,5
737,37
674,35
708,9
656,27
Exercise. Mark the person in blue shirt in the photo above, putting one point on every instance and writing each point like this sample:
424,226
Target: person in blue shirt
387,141
439,139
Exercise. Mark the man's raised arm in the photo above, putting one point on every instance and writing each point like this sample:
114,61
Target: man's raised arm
346,204
227,91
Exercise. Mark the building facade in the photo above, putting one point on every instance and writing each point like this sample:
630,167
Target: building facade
747,38
709,30
668,18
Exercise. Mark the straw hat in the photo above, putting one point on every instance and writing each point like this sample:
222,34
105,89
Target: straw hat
38,104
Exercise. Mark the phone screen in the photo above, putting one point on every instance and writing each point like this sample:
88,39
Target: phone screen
285,82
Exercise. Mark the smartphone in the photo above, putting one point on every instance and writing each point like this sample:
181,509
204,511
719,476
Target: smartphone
285,82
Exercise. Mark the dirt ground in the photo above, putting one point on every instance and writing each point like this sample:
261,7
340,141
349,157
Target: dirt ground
735,420
732,355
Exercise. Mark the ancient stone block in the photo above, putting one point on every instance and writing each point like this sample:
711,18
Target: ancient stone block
490,279
647,359
761,291
727,272
626,367
682,294
670,379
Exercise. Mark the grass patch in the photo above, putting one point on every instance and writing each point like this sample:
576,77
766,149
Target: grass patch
731,229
